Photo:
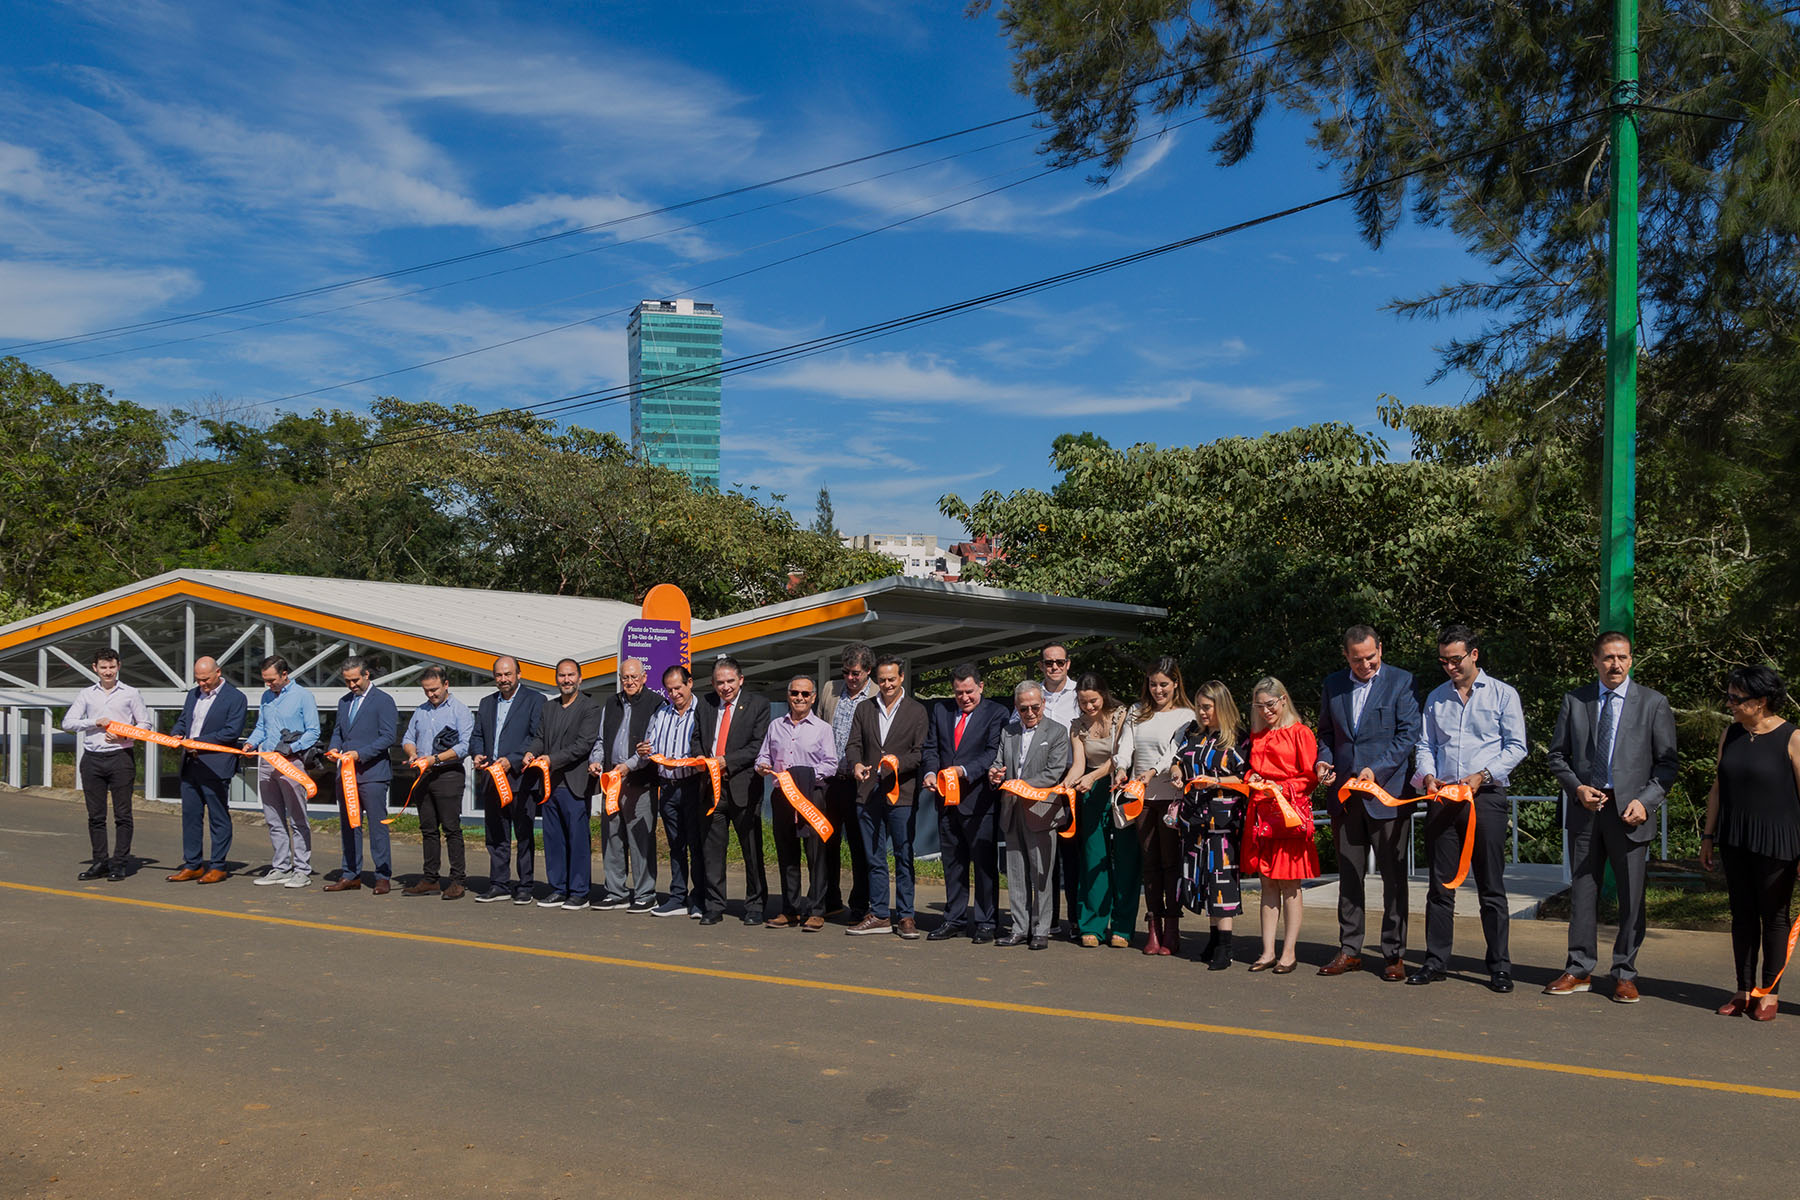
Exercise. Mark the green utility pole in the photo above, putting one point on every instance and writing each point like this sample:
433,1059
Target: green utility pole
1618,470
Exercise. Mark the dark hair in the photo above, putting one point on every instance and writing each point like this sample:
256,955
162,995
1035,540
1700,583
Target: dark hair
806,675
891,660
576,661
1168,665
104,654
962,671
359,662
725,660
442,676
1458,633
1758,683
1047,646
1612,635
274,660
857,654
1092,682
1361,633
687,676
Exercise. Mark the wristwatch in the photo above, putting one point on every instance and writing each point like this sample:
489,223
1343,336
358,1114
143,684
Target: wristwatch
1487,776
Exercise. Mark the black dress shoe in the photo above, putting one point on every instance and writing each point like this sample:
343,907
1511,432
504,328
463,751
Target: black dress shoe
946,932
711,919
983,935
94,872
751,918
1425,975
1040,943
1501,982
116,875
1015,938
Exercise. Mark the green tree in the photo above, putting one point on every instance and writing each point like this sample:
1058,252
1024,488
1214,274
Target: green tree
824,522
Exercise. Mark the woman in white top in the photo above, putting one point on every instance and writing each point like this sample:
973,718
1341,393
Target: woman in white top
1159,725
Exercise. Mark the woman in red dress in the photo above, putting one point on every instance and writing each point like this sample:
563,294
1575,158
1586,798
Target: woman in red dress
1283,752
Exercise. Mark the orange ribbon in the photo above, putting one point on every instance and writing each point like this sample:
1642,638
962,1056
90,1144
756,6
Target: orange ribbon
949,786
1133,804
1449,793
1037,795
1290,816
421,765
805,807
612,783
1793,937
346,761
715,771
502,787
541,765
892,763
279,762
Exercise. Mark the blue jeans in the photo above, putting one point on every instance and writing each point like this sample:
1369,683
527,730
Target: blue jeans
882,824
678,803
568,844
203,800
374,807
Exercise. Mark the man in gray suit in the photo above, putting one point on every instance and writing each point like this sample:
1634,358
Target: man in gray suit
1033,751
1613,751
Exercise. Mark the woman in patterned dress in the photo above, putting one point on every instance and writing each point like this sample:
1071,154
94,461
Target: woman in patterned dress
1212,818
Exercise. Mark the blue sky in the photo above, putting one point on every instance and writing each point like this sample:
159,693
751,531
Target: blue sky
160,158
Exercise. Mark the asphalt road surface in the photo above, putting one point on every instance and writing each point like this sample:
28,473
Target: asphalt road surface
232,1040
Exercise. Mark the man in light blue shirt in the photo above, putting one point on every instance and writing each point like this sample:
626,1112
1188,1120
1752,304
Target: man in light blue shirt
1473,733
287,722
436,742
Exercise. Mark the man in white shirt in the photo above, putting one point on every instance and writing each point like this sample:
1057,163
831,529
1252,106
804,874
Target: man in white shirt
108,763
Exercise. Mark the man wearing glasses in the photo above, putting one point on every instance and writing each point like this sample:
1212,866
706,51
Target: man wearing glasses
1060,704
1473,733
1613,751
1035,751
837,706
801,744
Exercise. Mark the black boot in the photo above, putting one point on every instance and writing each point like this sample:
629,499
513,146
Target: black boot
1212,943
1220,958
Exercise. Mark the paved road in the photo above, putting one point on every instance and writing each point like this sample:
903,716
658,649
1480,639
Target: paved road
228,1041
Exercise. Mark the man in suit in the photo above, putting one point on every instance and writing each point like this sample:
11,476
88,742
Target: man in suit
567,728
1036,752
628,837
964,736
213,712
891,724
1368,726
730,726
838,702
367,724
506,725
1613,751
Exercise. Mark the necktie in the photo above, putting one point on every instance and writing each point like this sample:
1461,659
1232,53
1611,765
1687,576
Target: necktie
961,721
1603,750
350,716
724,729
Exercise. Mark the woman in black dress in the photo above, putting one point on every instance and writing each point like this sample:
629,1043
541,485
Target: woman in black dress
1753,818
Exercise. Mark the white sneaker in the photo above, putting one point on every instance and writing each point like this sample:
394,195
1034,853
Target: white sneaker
273,878
298,880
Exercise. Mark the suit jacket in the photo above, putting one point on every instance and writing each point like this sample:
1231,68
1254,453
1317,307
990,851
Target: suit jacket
905,741
224,726
979,750
565,736
371,735
1643,761
1045,763
511,743
1382,741
749,722
640,708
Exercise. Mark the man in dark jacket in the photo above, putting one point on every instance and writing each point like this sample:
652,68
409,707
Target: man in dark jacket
566,733
506,726
730,726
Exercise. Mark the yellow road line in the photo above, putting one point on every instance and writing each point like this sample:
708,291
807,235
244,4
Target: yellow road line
1036,1010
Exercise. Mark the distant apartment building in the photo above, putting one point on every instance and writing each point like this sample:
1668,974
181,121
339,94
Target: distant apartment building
674,348
919,554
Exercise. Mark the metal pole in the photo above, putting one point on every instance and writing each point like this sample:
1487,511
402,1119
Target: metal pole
1618,471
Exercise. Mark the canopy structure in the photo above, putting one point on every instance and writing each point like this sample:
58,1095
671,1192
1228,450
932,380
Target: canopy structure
160,625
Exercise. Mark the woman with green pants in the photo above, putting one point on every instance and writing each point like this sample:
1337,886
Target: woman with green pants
1110,862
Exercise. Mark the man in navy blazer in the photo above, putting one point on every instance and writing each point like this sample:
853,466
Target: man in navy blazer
1368,724
965,735
506,726
367,723
745,719
213,712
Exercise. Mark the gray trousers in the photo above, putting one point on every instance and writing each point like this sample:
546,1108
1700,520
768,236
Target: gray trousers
1030,856
1605,840
1357,832
628,843
284,808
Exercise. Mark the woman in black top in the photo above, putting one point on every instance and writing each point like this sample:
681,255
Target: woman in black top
1753,817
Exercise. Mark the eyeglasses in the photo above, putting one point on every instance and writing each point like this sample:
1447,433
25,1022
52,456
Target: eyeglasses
1452,663
1268,705
1054,662
1031,708
798,694
1733,699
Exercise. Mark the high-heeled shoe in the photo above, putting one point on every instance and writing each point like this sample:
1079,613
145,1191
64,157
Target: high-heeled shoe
1284,968
1766,1011
1733,1007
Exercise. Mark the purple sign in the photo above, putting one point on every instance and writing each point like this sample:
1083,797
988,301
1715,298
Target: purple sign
659,645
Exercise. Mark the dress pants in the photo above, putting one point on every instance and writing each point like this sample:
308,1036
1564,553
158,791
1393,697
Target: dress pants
969,844
884,825
503,827
678,803
1030,886
284,808
840,807
374,807
715,840
1605,841
1355,832
568,843
203,808
1110,868
109,773
628,844
1161,847
795,840
1761,892
1444,826
440,807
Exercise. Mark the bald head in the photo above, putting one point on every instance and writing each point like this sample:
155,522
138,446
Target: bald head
206,673
506,676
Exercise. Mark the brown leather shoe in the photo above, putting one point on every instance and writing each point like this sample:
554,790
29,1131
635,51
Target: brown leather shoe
186,875
1567,985
907,928
454,891
814,923
421,888
382,887
1394,970
780,921
213,876
1625,992
1342,964
348,883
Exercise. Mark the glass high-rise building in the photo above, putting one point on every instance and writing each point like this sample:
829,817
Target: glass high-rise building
675,347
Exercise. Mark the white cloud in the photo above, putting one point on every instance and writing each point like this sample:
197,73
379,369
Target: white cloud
45,300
